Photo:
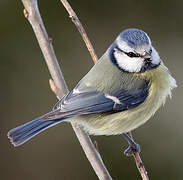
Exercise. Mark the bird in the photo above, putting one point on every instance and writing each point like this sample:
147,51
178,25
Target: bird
121,92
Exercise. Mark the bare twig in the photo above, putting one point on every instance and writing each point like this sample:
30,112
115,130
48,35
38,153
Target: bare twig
80,28
32,14
139,163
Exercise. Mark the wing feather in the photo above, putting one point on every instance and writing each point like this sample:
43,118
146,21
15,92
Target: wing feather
91,101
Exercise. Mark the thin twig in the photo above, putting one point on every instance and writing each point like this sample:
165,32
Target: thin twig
80,28
88,150
139,163
32,14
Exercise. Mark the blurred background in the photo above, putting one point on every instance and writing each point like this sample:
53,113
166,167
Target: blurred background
25,94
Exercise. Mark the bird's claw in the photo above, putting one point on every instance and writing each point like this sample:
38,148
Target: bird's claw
132,148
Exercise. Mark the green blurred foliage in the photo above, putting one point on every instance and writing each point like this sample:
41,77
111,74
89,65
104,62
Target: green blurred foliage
25,93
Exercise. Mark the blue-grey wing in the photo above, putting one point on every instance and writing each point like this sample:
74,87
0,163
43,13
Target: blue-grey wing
87,102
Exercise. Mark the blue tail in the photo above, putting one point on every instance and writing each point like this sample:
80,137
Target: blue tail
23,133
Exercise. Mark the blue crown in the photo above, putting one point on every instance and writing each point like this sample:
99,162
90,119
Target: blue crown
134,37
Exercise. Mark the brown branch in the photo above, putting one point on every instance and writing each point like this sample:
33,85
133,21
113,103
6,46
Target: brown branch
80,28
96,159
59,86
31,12
139,163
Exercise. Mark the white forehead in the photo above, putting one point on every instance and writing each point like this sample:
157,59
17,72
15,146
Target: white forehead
123,45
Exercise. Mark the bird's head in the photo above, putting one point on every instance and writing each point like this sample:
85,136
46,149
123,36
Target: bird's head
132,52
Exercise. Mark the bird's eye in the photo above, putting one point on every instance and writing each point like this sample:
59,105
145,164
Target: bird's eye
131,54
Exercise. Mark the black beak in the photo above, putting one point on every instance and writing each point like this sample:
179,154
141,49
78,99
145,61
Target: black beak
147,60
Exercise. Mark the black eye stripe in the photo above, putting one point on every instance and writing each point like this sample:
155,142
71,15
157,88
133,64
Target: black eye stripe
129,54
146,67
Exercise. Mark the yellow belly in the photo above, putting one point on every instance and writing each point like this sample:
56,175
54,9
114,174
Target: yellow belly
161,84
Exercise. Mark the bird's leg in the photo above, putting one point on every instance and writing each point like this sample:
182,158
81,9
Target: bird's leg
133,145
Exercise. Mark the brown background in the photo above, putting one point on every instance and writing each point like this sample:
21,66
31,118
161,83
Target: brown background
24,92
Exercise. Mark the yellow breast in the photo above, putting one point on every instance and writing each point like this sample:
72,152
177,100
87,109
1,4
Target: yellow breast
161,84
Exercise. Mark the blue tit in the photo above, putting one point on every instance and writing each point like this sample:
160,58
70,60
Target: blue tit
121,92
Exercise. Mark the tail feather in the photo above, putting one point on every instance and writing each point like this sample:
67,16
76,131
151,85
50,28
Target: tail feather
23,133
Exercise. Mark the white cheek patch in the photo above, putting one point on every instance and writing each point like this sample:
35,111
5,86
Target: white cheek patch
127,63
115,99
155,56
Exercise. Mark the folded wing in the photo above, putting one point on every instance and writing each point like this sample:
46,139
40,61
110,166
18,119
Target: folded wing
78,102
